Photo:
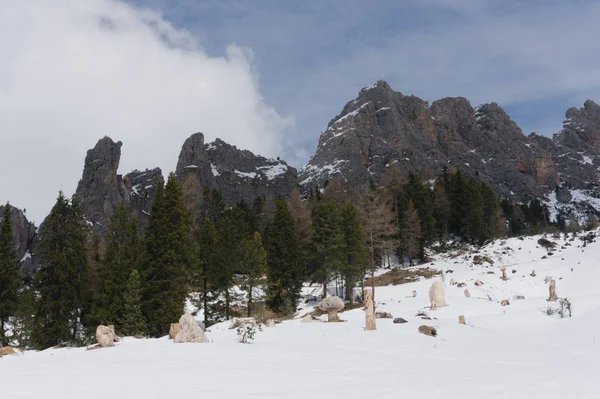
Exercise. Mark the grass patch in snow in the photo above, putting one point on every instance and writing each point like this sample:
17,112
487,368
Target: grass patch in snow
402,276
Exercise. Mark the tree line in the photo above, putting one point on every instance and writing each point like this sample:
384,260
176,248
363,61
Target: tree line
258,254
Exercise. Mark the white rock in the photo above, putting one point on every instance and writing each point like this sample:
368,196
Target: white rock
332,305
190,331
105,335
437,295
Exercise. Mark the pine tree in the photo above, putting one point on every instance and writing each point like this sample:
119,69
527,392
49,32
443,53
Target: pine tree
168,259
411,233
204,278
492,213
132,320
356,253
458,191
227,257
60,281
10,274
441,211
328,242
474,226
422,198
302,215
123,254
284,270
253,259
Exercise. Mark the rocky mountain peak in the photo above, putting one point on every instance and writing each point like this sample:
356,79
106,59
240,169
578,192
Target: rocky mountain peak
192,151
101,189
382,130
238,174
26,239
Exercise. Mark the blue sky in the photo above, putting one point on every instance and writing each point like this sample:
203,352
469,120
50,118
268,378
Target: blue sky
535,58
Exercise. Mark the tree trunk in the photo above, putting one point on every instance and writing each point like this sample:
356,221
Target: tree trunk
227,304
249,299
552,288
205,299
372,271
324,289
369,311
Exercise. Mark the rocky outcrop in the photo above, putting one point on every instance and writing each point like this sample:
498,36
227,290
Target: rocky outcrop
383,132
101,189
26,240
239,174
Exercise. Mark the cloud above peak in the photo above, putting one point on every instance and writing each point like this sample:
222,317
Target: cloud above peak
75,71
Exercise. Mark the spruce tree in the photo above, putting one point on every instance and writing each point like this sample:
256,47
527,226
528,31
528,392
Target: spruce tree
356,253
253,259
227,258
411,233
204,278
474,226
284,270
123,254
328,242
61,278
10,274
492,213
422,198
168,259
132,320
441,211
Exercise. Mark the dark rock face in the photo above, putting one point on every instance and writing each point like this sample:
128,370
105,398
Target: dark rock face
239,174
26,239
383,130
101,189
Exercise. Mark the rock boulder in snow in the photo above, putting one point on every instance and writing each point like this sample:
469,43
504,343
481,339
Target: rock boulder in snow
332,305
437,295
190,331
105,336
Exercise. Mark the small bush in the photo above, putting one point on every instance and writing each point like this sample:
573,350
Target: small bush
562,308
247,332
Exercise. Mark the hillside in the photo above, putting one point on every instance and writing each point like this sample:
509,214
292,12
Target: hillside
514,351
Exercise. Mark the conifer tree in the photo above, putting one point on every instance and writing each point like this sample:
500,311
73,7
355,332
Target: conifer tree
132,320
283,267
204,278
380,227
10,274
492,213
474,222
168,258
328,242
411,233
458,191
422,198
123,254
61,277
356,253
302,215
226,256
441,211
253,259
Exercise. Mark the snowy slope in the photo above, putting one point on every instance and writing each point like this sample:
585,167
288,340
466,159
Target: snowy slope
513,352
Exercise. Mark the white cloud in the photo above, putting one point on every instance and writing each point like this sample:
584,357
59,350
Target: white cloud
74,71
